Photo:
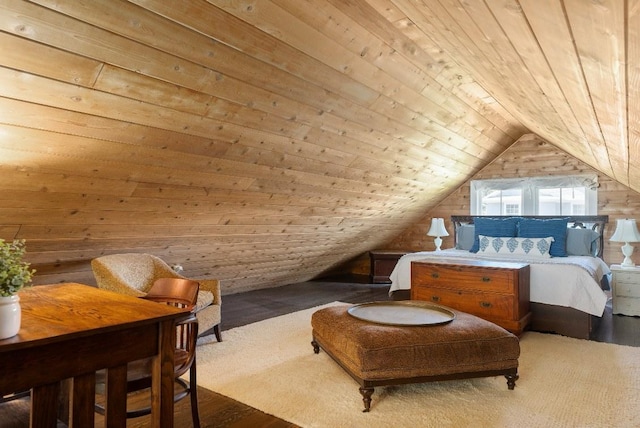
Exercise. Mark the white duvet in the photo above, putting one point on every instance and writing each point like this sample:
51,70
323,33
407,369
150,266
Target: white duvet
563,281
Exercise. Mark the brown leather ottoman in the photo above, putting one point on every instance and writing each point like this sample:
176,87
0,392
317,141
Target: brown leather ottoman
377,354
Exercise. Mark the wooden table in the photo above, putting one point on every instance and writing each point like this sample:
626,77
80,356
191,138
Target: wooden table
69,331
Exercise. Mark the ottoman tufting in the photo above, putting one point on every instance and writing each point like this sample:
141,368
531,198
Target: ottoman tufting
378,354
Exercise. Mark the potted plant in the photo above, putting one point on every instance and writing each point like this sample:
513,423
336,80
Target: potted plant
14,275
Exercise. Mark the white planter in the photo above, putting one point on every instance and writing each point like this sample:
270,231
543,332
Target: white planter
10,316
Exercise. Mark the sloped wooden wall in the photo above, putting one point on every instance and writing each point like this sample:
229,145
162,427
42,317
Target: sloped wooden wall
260,143
266,142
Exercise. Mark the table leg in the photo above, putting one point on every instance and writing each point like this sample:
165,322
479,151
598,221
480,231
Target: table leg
115,414
162,381
64,398
83,399
44,405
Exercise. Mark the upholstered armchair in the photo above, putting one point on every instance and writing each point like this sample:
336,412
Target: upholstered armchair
135,273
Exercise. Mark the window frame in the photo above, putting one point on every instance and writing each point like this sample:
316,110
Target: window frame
529,188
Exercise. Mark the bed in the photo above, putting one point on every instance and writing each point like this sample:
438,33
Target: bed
567,283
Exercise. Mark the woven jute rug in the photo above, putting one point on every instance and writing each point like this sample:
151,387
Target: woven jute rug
564,382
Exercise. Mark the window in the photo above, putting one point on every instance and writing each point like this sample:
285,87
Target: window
501,201
512,209
562,200
563,195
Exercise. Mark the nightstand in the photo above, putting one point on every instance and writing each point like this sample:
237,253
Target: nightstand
625,290
382,264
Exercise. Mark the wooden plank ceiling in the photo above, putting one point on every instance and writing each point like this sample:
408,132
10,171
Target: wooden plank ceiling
265,142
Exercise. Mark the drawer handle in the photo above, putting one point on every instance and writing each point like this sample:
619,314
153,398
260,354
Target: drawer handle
485,304
435,298
486,279
435,275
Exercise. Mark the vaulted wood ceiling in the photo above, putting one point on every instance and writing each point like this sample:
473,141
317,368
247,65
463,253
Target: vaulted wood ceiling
264,142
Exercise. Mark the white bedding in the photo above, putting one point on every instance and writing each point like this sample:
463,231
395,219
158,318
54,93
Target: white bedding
572,281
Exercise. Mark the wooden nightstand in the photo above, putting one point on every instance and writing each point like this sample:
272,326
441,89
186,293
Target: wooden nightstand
625,290
382,264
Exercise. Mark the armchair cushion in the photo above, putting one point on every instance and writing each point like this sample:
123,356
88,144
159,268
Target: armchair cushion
205,298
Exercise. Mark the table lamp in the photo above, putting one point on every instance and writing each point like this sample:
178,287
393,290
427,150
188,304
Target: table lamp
437,229
626,231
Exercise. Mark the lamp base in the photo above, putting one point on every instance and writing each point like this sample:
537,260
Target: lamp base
438,242
627,250
627,263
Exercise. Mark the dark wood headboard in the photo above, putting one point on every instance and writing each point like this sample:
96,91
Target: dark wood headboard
595,222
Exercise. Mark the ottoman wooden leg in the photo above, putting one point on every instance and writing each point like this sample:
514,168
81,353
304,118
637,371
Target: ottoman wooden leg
366,397
511,380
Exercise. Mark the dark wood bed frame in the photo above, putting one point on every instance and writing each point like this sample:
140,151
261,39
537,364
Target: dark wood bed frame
558,319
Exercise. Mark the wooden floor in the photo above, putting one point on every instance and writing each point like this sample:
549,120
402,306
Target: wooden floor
245,308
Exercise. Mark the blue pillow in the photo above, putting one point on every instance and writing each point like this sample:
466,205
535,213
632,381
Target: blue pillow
496,227
541,228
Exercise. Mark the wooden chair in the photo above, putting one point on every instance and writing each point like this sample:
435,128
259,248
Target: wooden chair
181,293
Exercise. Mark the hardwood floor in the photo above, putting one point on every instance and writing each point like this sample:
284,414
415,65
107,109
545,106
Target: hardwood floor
618,329
245,308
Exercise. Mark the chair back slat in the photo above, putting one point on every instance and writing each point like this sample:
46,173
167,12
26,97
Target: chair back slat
174,291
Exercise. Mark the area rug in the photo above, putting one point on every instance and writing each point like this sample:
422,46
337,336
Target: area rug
564,382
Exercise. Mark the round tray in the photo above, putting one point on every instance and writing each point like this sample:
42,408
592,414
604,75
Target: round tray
409,312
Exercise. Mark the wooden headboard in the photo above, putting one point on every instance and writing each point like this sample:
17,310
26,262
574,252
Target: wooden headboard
595,222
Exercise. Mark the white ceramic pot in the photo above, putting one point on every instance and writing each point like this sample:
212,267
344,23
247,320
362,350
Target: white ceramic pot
10,316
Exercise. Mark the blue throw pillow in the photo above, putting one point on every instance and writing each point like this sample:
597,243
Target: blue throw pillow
497,227
541,228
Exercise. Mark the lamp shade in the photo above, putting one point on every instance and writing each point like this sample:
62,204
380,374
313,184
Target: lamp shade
626,231
437,228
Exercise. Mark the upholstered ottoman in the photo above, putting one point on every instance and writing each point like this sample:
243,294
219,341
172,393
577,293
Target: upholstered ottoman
378,354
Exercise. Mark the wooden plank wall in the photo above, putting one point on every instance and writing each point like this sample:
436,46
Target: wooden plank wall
214,136
530,156
265,142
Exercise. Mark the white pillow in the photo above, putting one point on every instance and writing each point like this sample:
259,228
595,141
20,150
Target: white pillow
533,247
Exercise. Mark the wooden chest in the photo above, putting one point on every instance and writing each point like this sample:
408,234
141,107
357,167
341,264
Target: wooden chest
492,290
